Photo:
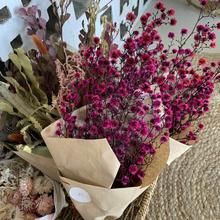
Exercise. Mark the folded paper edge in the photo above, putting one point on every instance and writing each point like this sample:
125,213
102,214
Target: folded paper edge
176,150
33,160
157,165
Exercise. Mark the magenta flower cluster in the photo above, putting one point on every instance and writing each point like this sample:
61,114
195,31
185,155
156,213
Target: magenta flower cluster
140,94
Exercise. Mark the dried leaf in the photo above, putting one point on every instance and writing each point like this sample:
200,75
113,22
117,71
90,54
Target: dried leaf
36,123
18,88
6,107
59,198
62,3
41,150
23,123
22,62
15,100
91,15
65,17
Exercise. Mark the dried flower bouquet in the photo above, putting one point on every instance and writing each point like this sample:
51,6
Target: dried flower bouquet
118,107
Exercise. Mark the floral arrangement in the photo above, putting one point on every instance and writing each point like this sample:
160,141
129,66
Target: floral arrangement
187,88
24,192
135,98
33,197
138,93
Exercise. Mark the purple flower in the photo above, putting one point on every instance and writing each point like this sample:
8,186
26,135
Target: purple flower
143,19
171,35
125,180
171,12
164,139
160,5
173,21
141,174
140,160
184,31
133,169
131,16
132,94
203,2
156,103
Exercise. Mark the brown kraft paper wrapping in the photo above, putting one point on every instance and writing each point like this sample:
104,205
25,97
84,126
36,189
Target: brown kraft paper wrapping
45,164
88,169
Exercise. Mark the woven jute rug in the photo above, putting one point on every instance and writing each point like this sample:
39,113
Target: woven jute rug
189,189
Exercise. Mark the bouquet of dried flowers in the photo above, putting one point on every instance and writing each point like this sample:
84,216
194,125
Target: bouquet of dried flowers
33,197
118,106
135,98
132,95
25,193
186,87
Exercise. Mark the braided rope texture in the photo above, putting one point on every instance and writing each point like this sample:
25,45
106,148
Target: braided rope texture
189,189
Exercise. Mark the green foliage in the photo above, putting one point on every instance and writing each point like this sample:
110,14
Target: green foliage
21,96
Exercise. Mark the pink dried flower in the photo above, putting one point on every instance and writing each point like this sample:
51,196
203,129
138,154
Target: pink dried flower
143,19
160,6
140,160
25,186
125,180
173,21
96,40
15,197
184,31
202,61
131,17
200,126
171,12
133,169
171,35
27,204
164,139
44,205
213,45
135,94
203,2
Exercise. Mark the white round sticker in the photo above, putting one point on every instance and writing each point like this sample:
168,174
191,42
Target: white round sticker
79,195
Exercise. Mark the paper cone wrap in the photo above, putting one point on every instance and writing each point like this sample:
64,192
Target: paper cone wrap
87,161
176,150
45,164
88,169
100,202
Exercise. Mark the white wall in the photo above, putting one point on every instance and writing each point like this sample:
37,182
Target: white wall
10,29
14,26
186,15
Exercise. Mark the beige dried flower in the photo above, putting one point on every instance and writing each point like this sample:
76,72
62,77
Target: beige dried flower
44,205
19,215
15,197
26,186
30,216
27,204
42,185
